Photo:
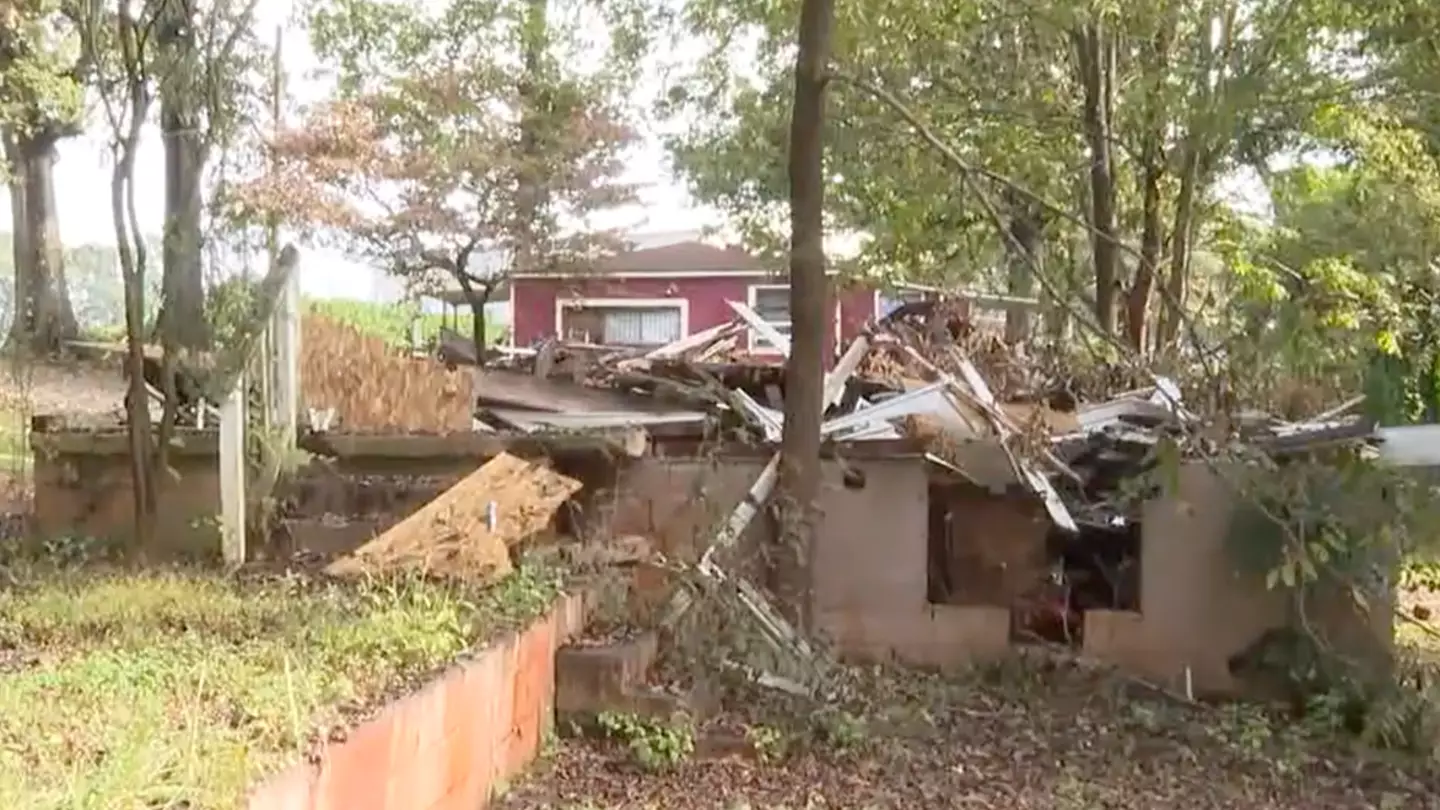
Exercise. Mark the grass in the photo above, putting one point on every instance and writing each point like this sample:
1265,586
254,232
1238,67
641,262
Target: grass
181,688
14,429
391,322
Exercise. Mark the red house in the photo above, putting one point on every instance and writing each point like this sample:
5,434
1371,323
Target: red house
658,295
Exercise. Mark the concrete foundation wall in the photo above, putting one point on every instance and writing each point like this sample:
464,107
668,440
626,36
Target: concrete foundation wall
92,496
1196,610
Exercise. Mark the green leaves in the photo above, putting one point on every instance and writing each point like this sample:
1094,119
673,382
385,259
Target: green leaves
41,89
461,129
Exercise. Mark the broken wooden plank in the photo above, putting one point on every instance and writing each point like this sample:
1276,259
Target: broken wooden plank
756,323
696,342
466,533
980,391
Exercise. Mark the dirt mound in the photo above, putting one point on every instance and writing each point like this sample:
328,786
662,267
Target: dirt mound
460,535
374,388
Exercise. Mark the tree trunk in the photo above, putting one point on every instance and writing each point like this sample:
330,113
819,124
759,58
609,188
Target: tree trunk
799,483
1025,248
19,251
182,308
530,200
132,269
1137,304
43,317
477,295
1094,58
1152,172
478,299
1177,284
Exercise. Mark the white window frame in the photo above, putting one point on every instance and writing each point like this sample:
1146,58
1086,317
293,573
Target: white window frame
753,341
681,304
881,295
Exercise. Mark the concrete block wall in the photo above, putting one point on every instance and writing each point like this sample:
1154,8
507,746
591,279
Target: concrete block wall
1196,610
448,746
91,496
933,636
870,571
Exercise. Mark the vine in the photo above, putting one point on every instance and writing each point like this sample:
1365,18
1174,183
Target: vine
1334,531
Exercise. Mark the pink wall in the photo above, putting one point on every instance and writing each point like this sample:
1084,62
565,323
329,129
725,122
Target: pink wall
449,746
533,301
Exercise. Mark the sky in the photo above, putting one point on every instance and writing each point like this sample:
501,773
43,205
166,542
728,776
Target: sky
82,179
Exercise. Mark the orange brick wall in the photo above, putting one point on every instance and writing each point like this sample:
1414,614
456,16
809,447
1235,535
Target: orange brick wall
448,746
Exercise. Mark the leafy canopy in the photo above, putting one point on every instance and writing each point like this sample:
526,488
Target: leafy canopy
478,126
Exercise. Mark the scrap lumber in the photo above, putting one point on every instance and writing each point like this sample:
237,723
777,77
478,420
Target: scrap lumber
467,532
976,388
374,388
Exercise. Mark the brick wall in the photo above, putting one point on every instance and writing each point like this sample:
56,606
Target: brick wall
448,746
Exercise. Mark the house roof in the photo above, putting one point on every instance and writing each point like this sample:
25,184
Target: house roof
682,257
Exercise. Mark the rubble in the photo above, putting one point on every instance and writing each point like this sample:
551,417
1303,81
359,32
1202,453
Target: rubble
368,387
990,415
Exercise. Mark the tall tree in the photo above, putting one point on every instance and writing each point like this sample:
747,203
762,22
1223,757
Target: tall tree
206,57
1117,121
114,39
468,141
809,301
41,70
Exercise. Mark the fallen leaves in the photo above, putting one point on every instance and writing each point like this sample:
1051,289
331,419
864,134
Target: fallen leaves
1064,740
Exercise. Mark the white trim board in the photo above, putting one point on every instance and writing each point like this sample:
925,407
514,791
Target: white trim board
750,336
682,304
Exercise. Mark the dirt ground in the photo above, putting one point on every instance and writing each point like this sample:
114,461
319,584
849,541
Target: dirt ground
1013,741
70,388
87,390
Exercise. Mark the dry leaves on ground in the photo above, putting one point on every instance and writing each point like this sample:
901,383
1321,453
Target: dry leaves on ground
1067,743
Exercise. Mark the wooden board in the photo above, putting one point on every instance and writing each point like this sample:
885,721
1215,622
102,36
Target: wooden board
450,536
374,388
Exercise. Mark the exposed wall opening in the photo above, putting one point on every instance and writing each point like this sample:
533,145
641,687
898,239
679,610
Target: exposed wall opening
984,549
1096,569
937,546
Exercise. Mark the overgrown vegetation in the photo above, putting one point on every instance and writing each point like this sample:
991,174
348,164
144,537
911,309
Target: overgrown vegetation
126,689
392,322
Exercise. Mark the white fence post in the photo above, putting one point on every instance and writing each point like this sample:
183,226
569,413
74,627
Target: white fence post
286,329
232,474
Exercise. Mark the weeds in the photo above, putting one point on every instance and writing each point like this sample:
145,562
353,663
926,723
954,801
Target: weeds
179,688
654,745
771,745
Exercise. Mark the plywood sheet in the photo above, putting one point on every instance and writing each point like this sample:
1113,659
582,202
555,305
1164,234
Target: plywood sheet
376,389
450,537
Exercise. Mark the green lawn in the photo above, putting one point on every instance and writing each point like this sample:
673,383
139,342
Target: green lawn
178,688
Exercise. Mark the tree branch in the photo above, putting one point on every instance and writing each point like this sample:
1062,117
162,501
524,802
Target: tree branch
968,173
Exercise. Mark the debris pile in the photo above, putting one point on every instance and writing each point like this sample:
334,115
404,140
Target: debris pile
988,415
368,387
